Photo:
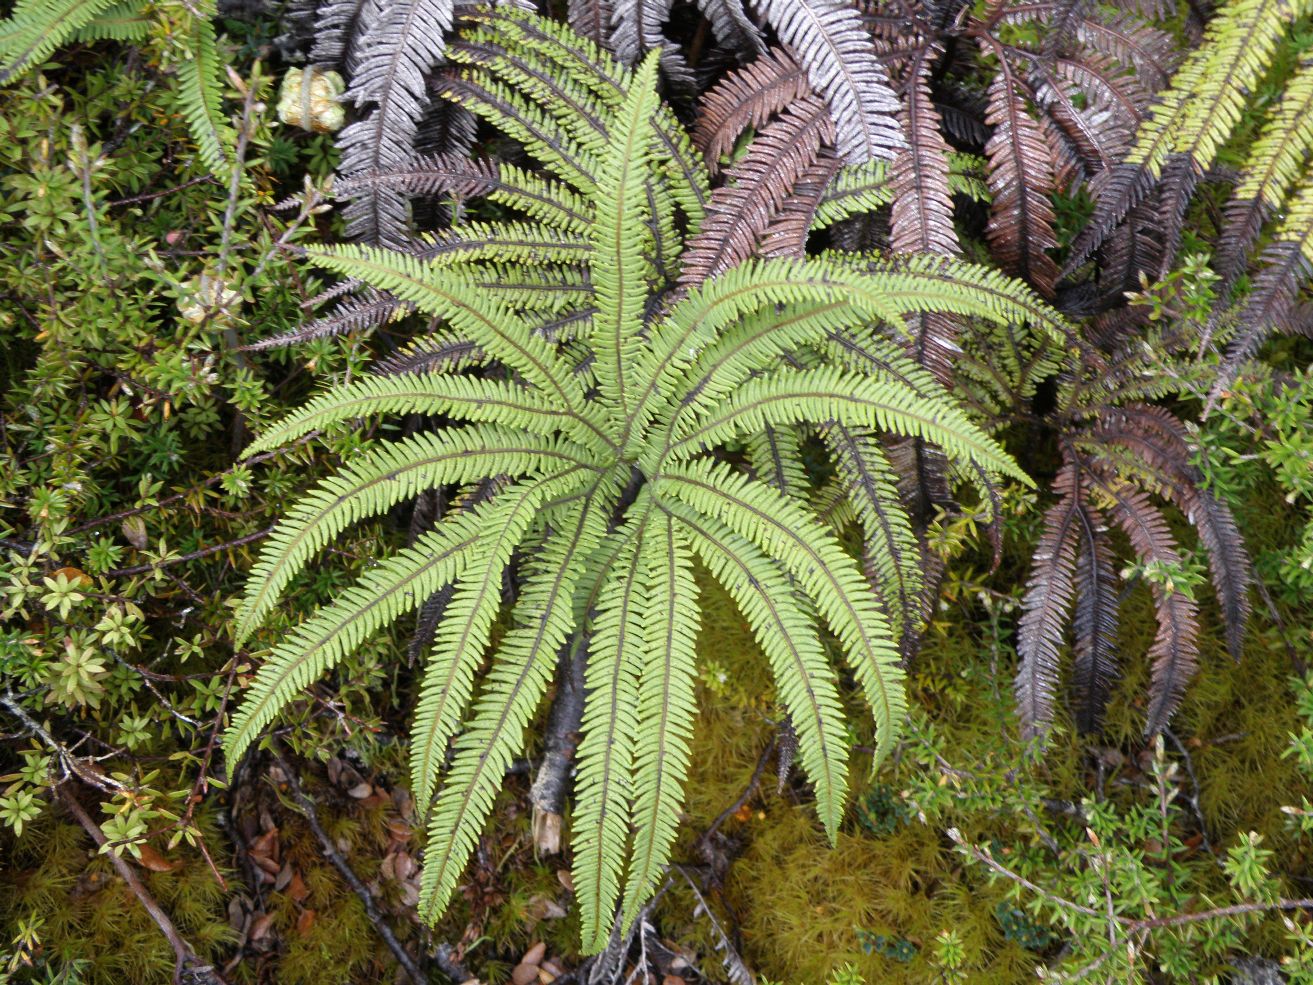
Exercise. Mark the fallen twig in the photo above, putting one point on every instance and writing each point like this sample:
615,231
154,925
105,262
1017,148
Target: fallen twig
331,853
187,961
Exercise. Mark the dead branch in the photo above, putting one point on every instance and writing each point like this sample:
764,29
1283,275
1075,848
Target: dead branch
187,963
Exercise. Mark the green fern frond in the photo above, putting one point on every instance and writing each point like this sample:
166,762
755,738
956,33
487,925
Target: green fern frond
856,401
522,244
122,22
665,709
384,477
37,27
822,569
856,189
394,587
618,649
200,91
463,635
619,271
464,397
483,320
513,688
786,632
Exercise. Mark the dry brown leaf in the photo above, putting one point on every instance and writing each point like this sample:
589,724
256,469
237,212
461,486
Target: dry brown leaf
154,861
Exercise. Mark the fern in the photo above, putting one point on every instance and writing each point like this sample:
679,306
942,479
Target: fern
36,28
606,439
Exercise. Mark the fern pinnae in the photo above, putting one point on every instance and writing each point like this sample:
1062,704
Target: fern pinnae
618,282
525,122
595,68
747,97
445,295
1045,605
755,188
570,105
827,38
786,633
855,189
35,28
540,197
523,245
374,484
831,395
891,553
666,705
125,21
464,397
515,686
1274,166
822,569
396,586
1175,649
617,650
201,97
775,458
1094,623
463,635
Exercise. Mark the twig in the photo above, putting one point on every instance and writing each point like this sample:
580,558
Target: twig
549,787
981,855
141,569
73,765
748,791
331,853
186,957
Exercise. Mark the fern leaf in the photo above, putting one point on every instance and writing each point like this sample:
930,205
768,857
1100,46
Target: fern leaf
855,189
786,632
1272,304
636,28
463,635
823,571
1094,623
786,236
35,28
374,484
1021,218
733,27
775,458
484,321
514,687
618,650
403,44
385,593
591,19
125,21
666,707
199,81
832,395
1045,605
1175,649
619,273
891,554
464,397
1161,449
594,68
1274,165
540,198
827,38
746,98
922,218
756,188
